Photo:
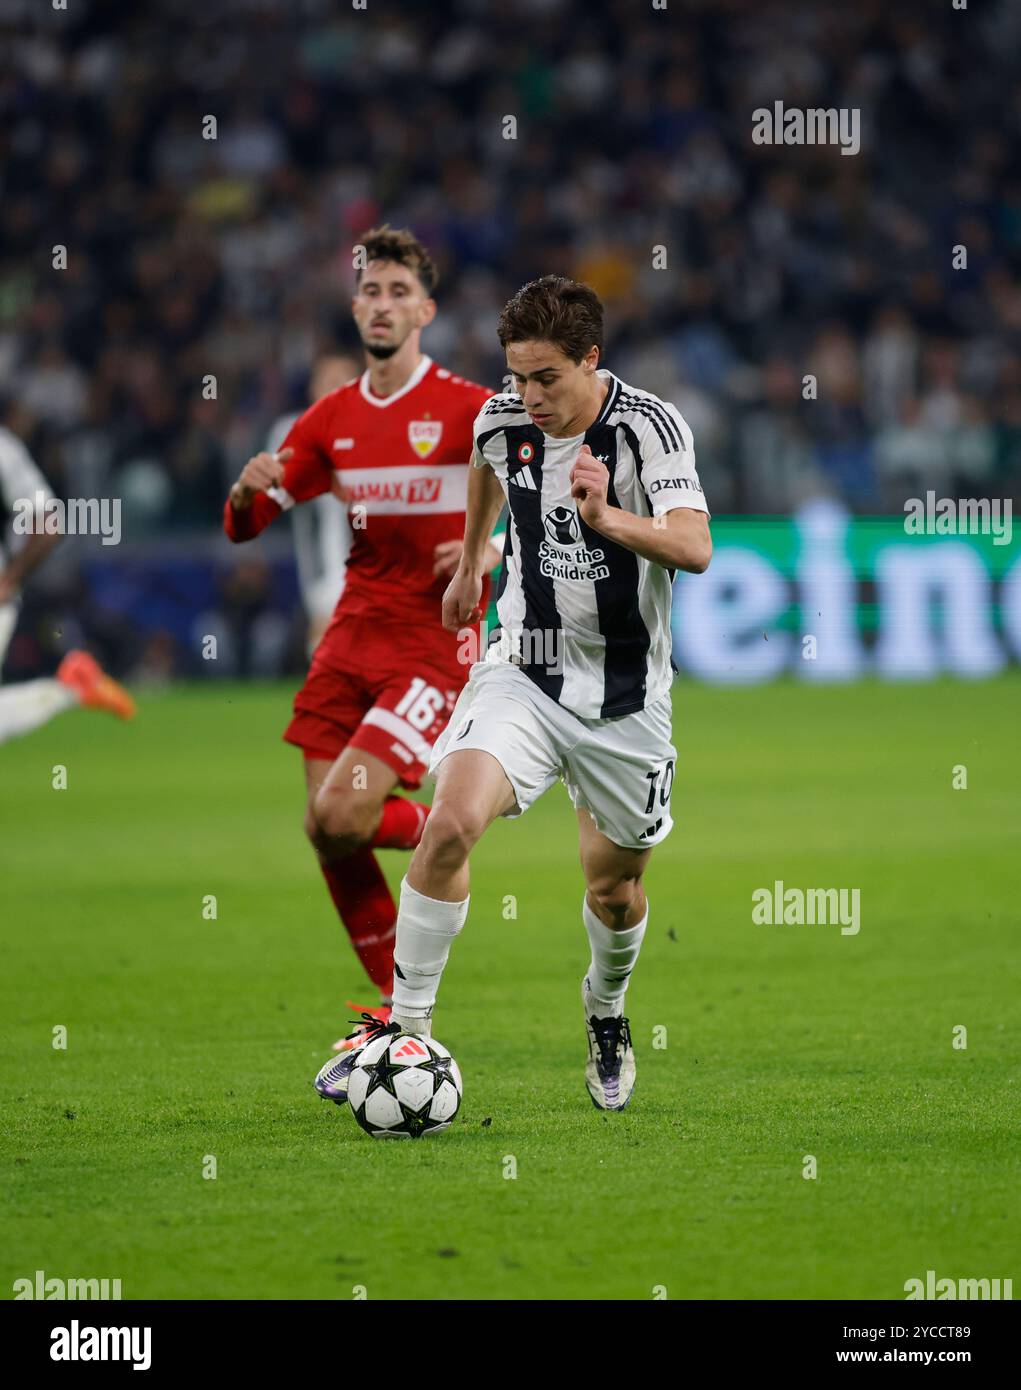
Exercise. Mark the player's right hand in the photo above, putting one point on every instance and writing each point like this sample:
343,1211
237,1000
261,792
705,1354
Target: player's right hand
461,606
258,475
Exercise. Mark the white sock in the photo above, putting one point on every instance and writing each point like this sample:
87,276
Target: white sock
24,707
426,928
613,957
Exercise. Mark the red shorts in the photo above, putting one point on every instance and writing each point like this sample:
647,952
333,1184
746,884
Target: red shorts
369,688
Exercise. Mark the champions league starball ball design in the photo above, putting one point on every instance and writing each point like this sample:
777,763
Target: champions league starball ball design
404,1086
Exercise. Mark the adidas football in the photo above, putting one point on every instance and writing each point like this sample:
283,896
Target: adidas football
403,1087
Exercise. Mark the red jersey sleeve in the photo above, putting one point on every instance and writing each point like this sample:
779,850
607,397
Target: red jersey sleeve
307,474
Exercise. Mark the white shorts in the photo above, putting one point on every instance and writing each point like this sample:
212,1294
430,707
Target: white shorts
619,770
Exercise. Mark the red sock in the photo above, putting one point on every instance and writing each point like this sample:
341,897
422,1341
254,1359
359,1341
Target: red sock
368,911
402,824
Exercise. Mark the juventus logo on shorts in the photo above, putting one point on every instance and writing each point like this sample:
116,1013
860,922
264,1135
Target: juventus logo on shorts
464,730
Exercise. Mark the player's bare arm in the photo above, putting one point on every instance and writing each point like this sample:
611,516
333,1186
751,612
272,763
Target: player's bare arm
461,605
678,539
259,474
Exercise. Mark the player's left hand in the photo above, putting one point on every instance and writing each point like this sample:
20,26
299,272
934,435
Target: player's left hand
589,482
447,557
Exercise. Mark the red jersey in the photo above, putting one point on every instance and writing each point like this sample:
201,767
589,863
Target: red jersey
400,465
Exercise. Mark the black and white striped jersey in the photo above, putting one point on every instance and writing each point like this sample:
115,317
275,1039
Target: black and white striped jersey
587,619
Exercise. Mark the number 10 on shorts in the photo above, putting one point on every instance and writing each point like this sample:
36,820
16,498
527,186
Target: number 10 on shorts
660,781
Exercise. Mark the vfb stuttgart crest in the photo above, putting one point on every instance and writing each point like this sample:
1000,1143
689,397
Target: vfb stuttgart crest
424,435
562,526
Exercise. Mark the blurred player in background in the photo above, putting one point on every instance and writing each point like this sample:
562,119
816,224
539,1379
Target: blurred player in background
394,446
321,530
79,680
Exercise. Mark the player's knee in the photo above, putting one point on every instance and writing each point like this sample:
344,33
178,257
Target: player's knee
616,896
450,833
338,823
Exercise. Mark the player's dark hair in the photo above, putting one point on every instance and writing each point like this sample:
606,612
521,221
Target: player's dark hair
556,310
386,243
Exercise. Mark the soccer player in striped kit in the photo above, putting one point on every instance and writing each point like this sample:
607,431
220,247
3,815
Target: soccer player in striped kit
604,506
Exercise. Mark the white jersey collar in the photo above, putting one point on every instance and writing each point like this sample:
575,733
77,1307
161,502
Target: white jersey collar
610,400
412,381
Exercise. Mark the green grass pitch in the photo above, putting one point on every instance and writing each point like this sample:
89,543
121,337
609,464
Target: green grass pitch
190,1037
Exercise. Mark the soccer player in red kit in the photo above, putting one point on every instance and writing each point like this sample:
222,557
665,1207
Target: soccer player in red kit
394,445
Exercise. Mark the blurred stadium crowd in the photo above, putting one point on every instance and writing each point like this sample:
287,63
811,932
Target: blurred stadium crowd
231,257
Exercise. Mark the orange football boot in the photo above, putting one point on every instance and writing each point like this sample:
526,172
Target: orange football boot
93,687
